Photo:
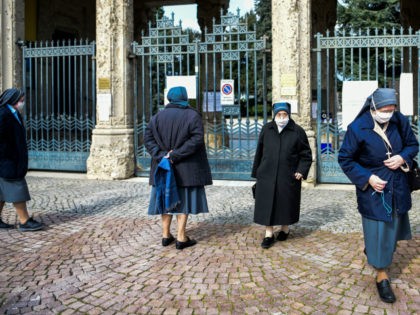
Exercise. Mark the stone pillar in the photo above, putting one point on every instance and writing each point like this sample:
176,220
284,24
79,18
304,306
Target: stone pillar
112,149
12,30
291,30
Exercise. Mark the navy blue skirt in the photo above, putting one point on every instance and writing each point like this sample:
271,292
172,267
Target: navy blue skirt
193,201
381,238
14,190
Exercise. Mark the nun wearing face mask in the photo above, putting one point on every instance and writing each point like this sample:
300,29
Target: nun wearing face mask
378,148
14,160
282,159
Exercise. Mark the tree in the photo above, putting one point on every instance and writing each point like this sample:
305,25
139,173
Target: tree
363,14
263,12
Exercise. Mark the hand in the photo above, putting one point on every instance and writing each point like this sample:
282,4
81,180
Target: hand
394,162
377,183
168,155
298,176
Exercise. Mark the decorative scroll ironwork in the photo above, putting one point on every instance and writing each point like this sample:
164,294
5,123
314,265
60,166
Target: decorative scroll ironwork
59,83
229,51
360,56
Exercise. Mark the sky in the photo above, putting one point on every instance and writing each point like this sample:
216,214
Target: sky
188,13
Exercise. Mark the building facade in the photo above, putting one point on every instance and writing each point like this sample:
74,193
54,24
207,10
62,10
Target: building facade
114,25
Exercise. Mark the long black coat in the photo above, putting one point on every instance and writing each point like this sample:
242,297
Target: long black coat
13,149
179,128
277,159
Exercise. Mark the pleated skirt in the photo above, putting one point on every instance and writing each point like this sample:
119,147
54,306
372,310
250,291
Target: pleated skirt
193,201
381,238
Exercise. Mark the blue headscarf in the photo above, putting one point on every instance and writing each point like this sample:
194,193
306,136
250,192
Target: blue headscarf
379,98
281,106
11,96
178,96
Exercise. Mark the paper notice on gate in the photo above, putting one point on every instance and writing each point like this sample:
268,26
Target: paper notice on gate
355,94
406,94
187,81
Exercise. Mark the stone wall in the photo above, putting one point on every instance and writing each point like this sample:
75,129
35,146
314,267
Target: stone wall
112,149
62,19
12,30
291,30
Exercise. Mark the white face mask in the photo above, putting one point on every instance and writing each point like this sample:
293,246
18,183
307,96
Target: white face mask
281,122
20,106
382,117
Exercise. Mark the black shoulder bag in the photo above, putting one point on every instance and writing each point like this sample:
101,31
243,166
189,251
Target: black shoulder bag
414,176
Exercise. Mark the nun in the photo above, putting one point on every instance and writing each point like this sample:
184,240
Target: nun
179,168
14,160
282,159
377,151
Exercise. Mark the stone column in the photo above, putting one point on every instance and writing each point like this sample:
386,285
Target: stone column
291,30
12,30
112,149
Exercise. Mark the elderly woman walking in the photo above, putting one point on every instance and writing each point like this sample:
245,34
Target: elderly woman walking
179,168
377,151
14,160
282,159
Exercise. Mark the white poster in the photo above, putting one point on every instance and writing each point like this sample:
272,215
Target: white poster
187,81
406,94
227,93
211,102
104,101
355,94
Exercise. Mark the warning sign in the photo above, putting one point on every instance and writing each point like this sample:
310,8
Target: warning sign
227,94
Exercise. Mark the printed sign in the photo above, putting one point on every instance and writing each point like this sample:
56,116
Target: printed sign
355,94
227,94
406,94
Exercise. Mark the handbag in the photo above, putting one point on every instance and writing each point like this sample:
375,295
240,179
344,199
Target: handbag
253,189
414,176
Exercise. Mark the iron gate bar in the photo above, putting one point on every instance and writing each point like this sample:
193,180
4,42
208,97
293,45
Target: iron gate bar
60,111
227,51
390,45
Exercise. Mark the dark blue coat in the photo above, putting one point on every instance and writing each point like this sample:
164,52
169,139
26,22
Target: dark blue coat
179,128
363,153
13,149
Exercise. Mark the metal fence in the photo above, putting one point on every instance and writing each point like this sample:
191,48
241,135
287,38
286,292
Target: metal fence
227,51
59,83
378,55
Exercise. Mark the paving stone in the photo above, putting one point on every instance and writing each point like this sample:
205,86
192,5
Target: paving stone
101,254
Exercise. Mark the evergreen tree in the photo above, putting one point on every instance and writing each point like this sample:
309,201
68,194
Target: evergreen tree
363,14
263,11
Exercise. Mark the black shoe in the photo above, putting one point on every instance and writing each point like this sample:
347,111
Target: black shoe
188,243
30,225
166,241
268,242
385,291
4,225
282,236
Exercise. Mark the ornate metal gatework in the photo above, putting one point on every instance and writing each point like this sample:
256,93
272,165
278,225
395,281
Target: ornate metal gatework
59,83
360,56
229,51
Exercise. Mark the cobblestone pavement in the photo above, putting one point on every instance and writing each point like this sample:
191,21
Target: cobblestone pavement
101,254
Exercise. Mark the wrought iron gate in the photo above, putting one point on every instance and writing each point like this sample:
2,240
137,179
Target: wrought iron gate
59,83
229,51
360,56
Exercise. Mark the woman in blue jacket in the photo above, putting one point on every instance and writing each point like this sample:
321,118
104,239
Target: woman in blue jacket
377,151
176,134
14,160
